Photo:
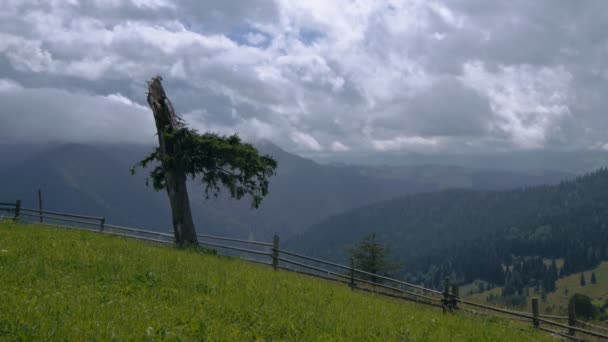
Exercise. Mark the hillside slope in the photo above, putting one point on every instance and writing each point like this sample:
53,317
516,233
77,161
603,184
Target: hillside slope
95,180
78,285
556,303
452,229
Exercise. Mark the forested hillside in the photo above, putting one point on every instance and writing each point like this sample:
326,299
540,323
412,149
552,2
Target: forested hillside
472,234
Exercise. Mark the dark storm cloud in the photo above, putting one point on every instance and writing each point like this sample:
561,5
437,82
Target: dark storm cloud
432,75
447,108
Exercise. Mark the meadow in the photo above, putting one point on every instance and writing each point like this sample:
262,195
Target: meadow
62,284
556,302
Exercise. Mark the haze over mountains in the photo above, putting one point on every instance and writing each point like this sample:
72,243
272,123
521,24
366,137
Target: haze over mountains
501,237
572,161
95,180
420,224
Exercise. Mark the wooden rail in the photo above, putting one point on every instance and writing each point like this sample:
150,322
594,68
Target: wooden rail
136,230
594,326
61,219
238,249
553,317
234,240
304,257
282,259
55,213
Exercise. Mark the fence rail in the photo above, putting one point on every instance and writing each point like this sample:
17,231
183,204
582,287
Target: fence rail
234,240
448,299
55,213
64,219
238,249
136,230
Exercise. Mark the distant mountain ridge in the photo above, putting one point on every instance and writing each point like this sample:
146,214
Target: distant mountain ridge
464,233
569,161
95,179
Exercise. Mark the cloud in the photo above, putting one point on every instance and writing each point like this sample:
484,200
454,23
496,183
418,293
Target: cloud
306,141
45,114
337,146
313,76
528,101
406,143
449,108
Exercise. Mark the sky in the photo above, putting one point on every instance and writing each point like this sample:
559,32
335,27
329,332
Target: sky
314,76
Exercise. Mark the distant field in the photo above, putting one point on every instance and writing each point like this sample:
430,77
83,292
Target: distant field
557,302
598,292
75,285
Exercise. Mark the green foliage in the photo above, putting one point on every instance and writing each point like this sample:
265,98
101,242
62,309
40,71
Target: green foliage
584,306
565,288
515,300
593,278
218,160
372,256
60,284
583,282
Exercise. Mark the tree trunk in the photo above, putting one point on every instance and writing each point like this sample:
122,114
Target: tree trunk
175,176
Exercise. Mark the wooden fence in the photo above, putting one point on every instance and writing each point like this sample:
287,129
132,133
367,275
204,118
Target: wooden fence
270,253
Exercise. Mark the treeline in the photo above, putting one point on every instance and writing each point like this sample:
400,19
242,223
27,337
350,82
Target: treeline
470,235
513,257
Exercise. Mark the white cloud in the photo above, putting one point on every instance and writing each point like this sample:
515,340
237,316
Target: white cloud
306,141
337,146
71,116
529,100
413,143
321,75
255,38
8,85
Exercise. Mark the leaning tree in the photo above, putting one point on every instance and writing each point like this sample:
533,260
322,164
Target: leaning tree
218,161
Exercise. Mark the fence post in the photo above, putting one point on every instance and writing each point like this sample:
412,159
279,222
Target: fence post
275,252
455,296
535,312
446,294
17,210
102,223
571,316
40,204
352,274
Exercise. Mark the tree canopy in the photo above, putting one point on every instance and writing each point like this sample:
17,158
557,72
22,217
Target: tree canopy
219,161
372,256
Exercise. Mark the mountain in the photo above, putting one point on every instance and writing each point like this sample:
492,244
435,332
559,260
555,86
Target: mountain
443,177
472,234
575,161
13,154
95,180
87,180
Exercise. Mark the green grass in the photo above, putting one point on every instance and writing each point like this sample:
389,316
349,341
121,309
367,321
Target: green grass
598,292
58,284
557,302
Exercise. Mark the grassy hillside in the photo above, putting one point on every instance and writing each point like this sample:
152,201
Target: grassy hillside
83,286
598,292
557,302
